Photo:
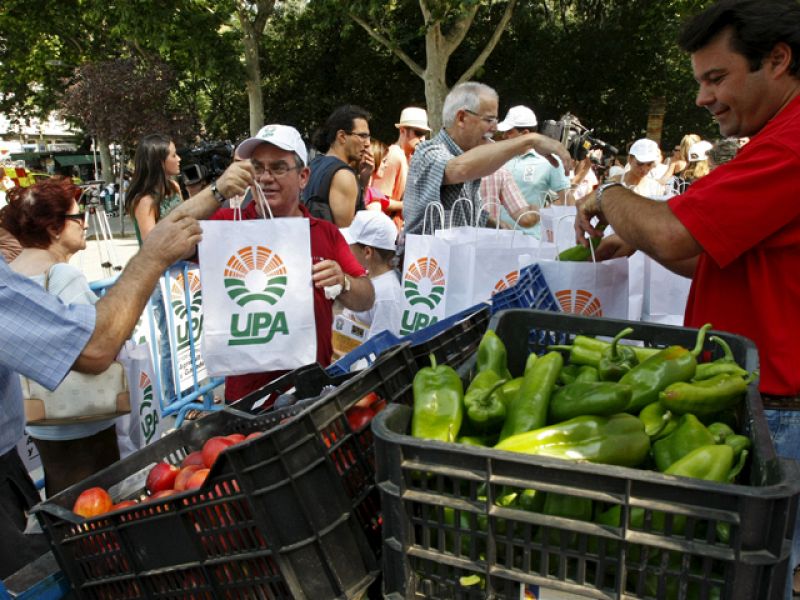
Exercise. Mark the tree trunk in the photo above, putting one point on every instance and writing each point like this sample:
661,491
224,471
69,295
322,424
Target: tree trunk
106,165
435,88
253,70
655,118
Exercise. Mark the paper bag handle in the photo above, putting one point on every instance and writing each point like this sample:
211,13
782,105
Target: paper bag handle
262,200
438,206
471,210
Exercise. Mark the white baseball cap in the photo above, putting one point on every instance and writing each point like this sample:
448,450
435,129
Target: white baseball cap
416,118
283,136
699,150
520,117
645,151
371,228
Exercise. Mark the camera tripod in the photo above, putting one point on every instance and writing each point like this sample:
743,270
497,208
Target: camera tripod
99,230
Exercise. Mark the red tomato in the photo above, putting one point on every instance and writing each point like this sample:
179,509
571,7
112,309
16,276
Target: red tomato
368,400
92,502
359,417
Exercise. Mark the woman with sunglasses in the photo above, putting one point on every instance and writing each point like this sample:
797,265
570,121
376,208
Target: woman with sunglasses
48,222
152,195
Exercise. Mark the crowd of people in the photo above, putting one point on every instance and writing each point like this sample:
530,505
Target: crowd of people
718,212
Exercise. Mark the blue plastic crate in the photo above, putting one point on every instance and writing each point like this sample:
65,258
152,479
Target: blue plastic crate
381,342
530,291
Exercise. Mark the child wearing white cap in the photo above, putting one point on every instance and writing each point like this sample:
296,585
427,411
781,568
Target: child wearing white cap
372,236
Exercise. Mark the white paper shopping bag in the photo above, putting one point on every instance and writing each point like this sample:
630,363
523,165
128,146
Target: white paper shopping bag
426,277
257,295
145,423
665,294
558,222
590,289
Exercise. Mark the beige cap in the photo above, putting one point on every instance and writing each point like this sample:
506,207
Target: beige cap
414,117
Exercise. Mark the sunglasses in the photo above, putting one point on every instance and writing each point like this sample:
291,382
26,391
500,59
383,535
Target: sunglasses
81,217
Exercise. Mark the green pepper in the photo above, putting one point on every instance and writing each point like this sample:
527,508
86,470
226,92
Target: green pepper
706,397
579,253
580,354
710,463
568,374
721,431
587,374
670,365
688,435
484,410
603,398
739,443
617,360
529,409
438,403
530,361
492,355
658,421
509,390
616,440
725,365
481,441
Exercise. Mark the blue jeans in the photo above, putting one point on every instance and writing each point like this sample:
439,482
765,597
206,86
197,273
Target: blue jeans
784,426
164,352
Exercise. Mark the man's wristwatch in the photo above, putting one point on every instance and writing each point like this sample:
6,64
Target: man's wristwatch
598,193
346,285
217,194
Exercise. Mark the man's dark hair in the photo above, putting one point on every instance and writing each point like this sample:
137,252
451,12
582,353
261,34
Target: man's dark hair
756,26
341,118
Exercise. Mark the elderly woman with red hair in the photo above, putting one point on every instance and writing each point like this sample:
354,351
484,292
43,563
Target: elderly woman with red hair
50,226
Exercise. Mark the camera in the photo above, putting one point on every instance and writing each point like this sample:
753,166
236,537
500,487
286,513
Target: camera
577,138
205,161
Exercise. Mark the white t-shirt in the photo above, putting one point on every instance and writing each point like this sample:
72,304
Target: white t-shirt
387,310
71,286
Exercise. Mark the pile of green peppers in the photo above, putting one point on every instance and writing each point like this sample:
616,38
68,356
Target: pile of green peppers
597,401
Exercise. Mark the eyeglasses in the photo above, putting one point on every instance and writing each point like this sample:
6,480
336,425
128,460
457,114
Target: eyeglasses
276,169
490,120
419,133
364,136
643,164
81,217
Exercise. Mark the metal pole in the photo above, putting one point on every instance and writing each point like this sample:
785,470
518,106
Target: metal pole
122,191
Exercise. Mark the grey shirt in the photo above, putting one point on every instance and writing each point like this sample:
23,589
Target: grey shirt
425,185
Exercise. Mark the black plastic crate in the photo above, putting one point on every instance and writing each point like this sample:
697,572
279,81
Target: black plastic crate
463,337
447,533
275,518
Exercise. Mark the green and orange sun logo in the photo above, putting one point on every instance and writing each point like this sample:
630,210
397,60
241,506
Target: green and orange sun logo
579,302
424,283
146,386
255,274
508,280
177,295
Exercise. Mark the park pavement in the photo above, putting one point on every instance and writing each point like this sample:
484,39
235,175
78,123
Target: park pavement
106,256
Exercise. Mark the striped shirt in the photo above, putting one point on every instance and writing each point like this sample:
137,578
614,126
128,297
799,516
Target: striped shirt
425,185
499,191
40,337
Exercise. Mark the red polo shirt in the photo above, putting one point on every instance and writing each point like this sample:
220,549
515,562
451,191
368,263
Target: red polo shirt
326,244
746,216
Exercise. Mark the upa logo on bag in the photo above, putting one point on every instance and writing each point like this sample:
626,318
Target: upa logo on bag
255,275
508,280
148,415
424,287
579,302
187,316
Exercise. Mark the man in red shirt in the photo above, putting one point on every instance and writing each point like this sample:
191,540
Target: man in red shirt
736,232
278,156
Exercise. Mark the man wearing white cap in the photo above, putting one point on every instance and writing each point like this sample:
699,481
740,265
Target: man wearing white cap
372,237
449,166
535,176
390,176
642,157
278,157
